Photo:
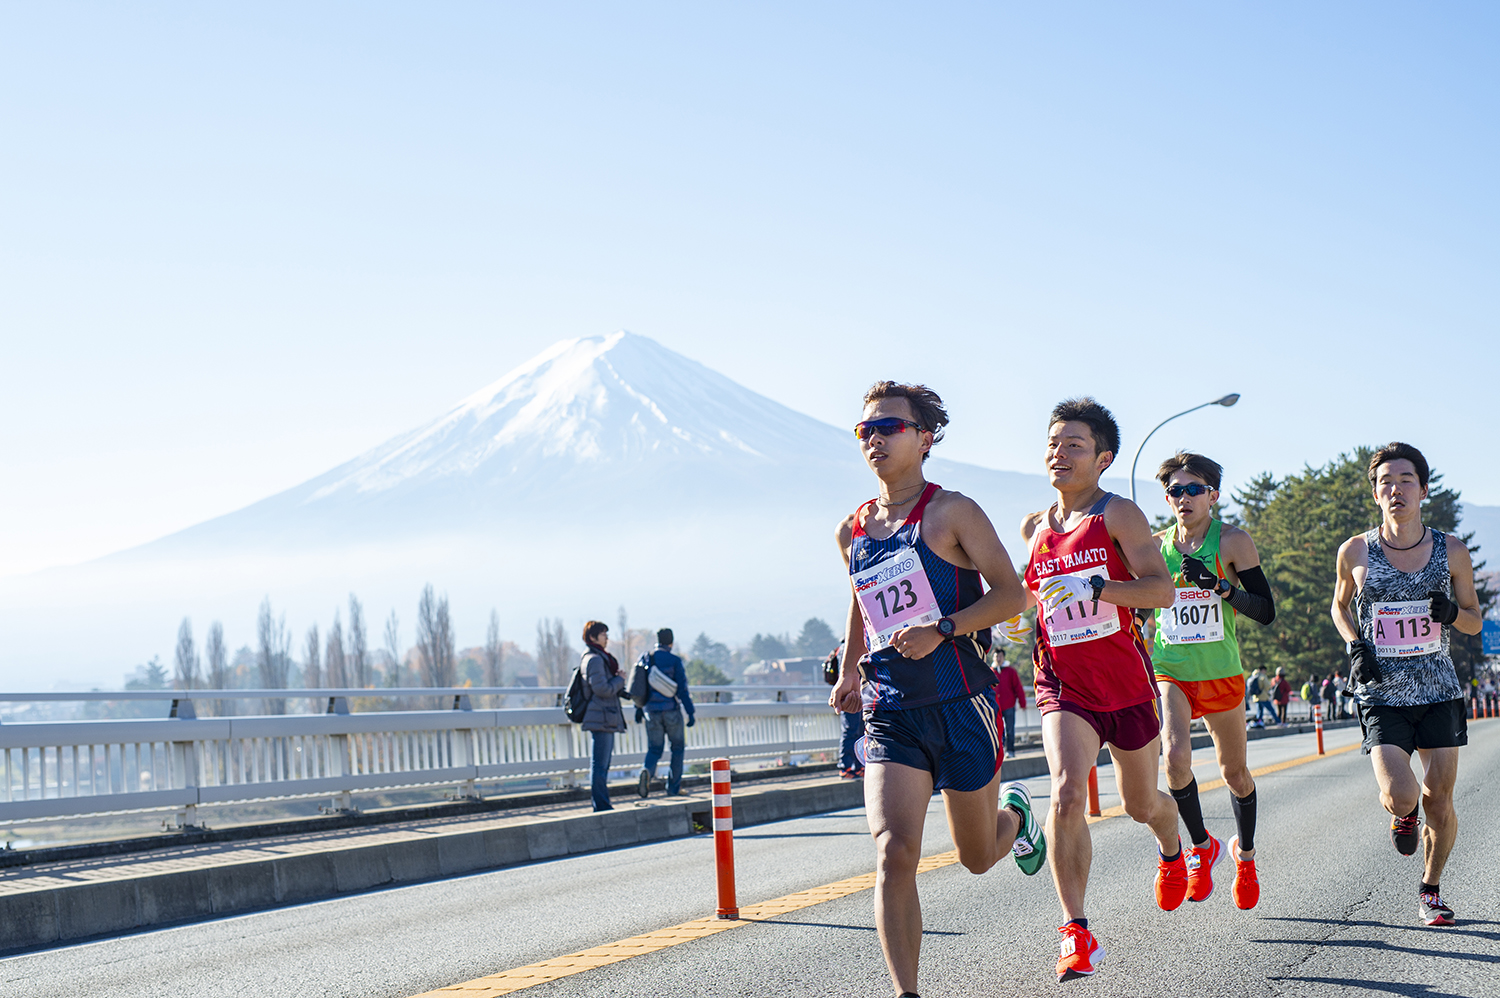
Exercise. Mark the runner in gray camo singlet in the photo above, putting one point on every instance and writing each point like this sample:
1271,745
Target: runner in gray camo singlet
1419,679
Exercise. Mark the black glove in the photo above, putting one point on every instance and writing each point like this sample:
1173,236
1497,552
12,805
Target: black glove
690,720
1443,609
1198,573
1364,666
640,716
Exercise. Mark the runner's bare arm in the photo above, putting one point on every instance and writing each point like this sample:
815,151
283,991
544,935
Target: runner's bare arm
1029,523
1461,568
845,695
1239,553
1152,585
975,536
1343,590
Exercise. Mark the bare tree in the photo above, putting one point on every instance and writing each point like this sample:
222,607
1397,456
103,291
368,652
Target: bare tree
435,648
393,649
274,656
358,665
188,677
338,675
554,658
312,669
216,657
494,652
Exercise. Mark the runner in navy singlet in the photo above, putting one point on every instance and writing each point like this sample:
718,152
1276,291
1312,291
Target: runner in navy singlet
918,627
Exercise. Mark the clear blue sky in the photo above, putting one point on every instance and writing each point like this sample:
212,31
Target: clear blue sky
240,244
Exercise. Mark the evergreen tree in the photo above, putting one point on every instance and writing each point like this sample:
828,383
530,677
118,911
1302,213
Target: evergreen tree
817,638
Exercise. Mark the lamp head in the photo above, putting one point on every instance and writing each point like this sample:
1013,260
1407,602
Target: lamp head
1228,400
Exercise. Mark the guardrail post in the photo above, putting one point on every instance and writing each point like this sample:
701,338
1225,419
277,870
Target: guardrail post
723,819
1318,725
461,752
184,771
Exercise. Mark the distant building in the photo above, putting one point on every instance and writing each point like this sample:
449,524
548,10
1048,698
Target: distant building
803,671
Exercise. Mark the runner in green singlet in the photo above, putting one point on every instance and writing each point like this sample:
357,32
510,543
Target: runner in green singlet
1196,657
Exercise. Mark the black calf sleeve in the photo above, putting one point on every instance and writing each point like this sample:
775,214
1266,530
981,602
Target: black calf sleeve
1244,818
1191,811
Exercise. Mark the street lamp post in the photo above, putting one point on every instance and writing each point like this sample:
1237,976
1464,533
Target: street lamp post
1226,402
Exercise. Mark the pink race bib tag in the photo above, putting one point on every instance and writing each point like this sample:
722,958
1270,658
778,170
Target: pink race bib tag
894,594
1402,630
1084,620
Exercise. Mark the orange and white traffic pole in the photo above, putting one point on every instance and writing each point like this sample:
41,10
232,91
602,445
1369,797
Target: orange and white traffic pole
1094,792
1318,725
724,840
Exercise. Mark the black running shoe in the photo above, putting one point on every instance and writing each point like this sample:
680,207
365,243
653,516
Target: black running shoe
1405,835
1432,911
643,785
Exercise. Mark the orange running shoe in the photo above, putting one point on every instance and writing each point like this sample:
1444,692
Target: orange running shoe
1200,866
1246,888
1171,881
1080,952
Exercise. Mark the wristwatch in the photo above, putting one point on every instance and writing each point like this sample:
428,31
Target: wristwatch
1097,581
945,627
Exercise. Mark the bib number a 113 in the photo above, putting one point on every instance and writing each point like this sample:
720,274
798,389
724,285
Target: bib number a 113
895,593
1083,620
1406,629
1196,617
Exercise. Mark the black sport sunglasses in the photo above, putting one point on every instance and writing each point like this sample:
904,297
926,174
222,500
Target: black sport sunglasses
1190,489
884,427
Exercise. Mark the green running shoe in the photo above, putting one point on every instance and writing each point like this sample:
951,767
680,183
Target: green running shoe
1030,848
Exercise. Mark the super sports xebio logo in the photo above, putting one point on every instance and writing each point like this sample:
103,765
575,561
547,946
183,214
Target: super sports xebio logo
884,574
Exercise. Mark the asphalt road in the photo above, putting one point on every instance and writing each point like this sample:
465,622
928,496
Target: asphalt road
1336,918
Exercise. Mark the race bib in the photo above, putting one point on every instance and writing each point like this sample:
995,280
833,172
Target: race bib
894,594
1402,630
1196,617
1084,620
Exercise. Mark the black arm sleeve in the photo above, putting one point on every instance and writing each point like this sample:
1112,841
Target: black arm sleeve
1255,600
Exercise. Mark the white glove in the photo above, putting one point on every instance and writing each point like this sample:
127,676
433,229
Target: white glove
1062,590
1016,630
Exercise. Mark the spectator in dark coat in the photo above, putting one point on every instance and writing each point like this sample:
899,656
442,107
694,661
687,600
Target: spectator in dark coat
601,672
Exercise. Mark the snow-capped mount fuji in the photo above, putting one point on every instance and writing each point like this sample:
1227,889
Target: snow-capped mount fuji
565,434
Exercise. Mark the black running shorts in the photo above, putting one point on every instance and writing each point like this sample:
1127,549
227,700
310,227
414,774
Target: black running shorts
1428,726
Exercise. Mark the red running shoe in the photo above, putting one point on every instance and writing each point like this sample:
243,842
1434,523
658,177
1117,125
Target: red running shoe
1171,881
1080,952
1246,888
1200,865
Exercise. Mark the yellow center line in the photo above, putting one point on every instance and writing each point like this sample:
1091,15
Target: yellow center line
509,981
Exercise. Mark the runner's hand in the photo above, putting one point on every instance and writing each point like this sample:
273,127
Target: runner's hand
917,642
1064,589
846,696
1443,609
1364,665
1016,630
1198,573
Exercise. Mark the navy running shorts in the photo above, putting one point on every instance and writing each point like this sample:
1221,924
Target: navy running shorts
1429,726
957,741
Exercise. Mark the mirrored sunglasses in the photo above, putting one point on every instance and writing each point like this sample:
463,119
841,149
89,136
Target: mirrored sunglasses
883,427
1190,489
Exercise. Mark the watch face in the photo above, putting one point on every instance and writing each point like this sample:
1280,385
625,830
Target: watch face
945,627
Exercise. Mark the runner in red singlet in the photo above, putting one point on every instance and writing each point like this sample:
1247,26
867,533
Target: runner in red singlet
1092,559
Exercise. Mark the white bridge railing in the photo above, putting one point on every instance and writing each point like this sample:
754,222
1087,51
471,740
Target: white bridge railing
89,767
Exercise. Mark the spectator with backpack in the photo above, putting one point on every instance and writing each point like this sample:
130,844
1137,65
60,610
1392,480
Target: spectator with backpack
1330,695
663,686
1281,692
1259,687
851,726
600,672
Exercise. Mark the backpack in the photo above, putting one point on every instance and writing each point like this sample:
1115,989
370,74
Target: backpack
831,666
1253,687
1307,692
638,686
576,700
